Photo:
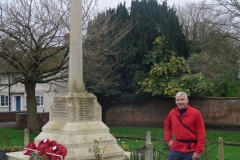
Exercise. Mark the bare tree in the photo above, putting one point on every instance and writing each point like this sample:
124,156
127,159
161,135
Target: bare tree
101,47
231,10
34,44
32,34
201,19
212,35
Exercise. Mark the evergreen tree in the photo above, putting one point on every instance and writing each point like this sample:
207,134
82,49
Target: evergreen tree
150,20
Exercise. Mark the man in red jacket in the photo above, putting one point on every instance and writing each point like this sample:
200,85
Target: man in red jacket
184,130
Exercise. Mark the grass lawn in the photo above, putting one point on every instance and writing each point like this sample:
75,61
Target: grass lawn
134,134
13,137
134,137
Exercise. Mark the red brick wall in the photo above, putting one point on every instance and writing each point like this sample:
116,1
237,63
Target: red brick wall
9,116
150,114
215,111
21,120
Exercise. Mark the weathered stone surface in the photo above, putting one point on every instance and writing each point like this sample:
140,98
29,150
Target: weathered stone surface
17,156
75,107
80,126
75,79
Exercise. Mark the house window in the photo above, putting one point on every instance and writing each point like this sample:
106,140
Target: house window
39,99
4,101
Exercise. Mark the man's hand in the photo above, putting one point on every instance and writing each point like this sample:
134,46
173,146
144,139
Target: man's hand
196,156
170,143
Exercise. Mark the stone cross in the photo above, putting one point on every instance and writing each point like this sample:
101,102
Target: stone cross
75,79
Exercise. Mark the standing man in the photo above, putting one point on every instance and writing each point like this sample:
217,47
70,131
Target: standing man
186,125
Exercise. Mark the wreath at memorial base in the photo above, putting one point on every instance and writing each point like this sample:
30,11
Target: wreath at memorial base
48,149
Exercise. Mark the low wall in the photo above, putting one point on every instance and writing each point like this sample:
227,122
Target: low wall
9,116
216,112
151,114
224,112
21,120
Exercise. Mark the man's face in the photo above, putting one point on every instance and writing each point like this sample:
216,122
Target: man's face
181,102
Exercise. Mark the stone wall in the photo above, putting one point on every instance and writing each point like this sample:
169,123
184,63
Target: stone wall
215,111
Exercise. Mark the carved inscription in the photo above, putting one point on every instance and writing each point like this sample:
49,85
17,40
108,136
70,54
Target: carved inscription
60,109
83,110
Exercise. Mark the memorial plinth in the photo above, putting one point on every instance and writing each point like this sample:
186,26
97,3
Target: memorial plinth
76,122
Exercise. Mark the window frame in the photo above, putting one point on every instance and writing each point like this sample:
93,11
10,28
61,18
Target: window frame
4,101
40,100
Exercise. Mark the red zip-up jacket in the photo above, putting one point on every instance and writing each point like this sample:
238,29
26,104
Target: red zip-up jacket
173,128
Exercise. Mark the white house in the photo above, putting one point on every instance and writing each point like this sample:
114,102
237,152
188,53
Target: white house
13,98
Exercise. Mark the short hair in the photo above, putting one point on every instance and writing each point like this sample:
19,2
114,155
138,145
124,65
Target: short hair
182,93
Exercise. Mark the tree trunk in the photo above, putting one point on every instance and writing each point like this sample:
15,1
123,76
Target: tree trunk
31,107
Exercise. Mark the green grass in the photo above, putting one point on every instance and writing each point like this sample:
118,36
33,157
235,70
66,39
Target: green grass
13,137
229,136
135,133
134,137
212,135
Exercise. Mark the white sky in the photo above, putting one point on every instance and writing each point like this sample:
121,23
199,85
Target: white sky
113,3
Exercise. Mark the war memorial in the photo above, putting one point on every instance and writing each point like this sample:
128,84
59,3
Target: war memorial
75,116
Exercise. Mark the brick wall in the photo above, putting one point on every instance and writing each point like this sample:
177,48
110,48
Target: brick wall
9,116
21,120
219,111
215,111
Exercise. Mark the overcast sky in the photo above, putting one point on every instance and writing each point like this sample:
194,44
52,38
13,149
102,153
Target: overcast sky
113,3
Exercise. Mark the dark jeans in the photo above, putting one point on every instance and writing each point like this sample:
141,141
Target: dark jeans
175,155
